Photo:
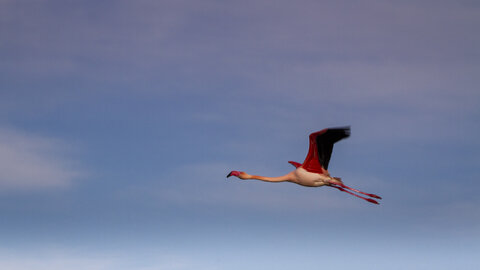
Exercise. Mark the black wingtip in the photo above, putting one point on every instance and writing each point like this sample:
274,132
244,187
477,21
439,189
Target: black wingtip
345,131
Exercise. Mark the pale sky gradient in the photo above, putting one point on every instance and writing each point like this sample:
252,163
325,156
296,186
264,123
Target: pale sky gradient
119,121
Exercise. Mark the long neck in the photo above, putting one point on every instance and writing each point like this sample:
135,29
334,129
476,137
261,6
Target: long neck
287,177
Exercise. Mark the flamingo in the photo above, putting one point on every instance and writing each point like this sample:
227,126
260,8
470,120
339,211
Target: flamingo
313,172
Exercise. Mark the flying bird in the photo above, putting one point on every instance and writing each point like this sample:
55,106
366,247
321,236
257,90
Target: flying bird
314,170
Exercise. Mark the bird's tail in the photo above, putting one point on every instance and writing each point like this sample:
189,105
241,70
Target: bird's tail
335,181
338,179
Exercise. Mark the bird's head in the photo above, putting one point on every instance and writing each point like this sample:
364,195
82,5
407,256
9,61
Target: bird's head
241,175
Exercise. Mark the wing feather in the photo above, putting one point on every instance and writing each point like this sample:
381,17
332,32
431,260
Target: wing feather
321,146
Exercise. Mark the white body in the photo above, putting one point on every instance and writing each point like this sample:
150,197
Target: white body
309,179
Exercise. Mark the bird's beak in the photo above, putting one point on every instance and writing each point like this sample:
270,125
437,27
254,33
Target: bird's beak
233,173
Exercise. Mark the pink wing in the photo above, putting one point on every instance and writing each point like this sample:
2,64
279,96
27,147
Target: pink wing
321,146
296,164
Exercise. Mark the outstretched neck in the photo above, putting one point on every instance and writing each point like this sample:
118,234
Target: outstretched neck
285,178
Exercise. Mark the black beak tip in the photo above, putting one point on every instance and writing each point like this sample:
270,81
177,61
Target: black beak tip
230,174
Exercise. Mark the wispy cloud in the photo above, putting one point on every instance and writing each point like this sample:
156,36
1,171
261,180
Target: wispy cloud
67,257
33,162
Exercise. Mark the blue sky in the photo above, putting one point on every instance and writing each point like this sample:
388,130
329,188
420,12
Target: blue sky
119,121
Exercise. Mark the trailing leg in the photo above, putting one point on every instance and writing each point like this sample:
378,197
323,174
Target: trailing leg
351,193
368,194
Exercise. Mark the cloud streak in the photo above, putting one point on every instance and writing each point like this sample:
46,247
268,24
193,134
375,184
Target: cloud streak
31,162
57,257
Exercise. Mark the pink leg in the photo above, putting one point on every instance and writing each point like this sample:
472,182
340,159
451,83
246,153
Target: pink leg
368,194
366,199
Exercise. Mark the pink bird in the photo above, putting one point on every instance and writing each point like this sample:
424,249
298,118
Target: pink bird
313,172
